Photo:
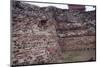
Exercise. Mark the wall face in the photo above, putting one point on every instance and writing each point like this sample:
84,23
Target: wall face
76,7
45,35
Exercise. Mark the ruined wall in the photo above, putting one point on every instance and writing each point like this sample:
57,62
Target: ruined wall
39,35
